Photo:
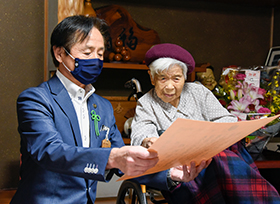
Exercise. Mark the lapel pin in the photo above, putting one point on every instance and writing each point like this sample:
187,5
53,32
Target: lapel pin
96,118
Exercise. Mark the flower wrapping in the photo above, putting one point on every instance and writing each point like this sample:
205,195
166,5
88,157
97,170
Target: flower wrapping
250,94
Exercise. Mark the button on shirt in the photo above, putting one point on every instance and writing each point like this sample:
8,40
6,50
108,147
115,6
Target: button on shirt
79,98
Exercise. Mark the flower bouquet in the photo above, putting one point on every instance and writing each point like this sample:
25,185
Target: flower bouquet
252,94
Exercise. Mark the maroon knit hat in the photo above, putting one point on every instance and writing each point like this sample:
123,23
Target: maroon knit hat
171,51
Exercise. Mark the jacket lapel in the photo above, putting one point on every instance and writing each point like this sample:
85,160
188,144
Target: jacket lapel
63,99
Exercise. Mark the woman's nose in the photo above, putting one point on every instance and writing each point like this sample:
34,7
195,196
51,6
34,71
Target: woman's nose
169,85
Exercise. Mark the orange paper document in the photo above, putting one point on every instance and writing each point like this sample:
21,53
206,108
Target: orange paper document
191,140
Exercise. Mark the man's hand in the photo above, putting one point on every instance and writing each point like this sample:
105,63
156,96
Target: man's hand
188,173
132,160
147,142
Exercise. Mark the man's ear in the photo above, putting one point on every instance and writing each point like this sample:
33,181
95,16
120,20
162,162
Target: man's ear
151,78
58,53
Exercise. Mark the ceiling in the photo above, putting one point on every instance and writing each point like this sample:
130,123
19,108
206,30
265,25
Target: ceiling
253,3
270,3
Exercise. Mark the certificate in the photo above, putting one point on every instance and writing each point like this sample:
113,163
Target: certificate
192,140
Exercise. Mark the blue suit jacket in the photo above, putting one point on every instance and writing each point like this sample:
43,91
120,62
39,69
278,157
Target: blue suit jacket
55,167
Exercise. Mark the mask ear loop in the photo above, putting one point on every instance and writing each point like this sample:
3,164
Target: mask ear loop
69,53
71,57
66,67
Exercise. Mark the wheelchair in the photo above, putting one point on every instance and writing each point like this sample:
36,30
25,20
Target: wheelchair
134,193
131,191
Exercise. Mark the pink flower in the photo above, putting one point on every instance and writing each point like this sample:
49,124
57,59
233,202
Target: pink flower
264,110
253,93
241,105
240,85
261,91
240,76
257,105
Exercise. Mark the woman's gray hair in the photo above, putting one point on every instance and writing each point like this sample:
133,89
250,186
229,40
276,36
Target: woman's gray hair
166,63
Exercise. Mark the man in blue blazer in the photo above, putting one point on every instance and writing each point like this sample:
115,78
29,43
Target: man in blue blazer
69,139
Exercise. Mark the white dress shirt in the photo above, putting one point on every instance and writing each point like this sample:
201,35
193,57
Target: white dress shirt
79,98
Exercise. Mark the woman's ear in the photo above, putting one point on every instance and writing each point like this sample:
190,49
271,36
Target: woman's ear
151,78
58,53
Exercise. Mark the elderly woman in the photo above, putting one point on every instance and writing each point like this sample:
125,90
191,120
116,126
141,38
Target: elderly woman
232,176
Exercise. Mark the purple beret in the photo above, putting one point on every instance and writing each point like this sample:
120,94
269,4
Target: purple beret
171,51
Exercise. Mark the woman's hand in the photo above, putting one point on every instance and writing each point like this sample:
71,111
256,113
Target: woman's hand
188,173
147,142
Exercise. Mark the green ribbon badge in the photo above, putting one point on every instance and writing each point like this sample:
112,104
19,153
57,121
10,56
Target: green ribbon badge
95,119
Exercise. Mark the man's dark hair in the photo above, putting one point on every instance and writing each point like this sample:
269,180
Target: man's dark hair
75,29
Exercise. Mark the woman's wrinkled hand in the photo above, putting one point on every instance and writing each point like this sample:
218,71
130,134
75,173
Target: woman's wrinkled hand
188,173
147,142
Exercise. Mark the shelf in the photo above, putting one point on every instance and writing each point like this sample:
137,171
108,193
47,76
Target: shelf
116,65
130,66
123,109
267,159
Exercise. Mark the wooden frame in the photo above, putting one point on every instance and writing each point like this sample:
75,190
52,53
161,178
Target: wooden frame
273,56
45,38
52,15
50,21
